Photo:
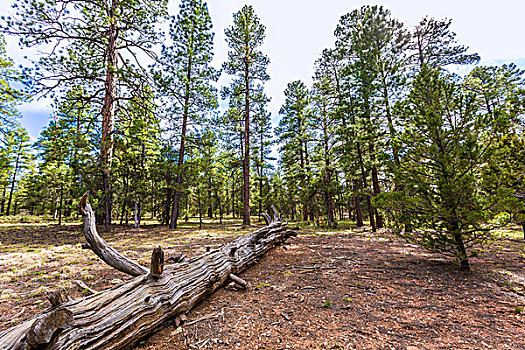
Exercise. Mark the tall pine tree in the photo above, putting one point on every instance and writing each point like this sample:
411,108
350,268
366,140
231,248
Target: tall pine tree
248,64
184,77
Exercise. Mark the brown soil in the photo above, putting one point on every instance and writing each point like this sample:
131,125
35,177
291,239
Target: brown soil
323,290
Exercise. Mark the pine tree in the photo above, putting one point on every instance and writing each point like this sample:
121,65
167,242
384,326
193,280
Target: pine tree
331,67
294,136
66,148
442,171
98,45
324,122
18,143
435,45
185,77
136,148
263,140
10,96
500,95
248,64
361,74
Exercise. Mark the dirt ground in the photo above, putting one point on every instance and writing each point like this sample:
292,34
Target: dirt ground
343,289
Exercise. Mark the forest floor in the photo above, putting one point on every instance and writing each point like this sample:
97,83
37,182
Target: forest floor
325,289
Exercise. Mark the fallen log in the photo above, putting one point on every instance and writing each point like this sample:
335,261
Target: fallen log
120,317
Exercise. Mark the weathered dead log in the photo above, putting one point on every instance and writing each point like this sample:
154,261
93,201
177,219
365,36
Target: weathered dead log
118,318
101,248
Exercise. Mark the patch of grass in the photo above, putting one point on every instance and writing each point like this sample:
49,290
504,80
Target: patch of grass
327,304
262,285
518,310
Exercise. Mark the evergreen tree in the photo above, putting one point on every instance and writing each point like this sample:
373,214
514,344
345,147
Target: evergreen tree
18,144
263,140
353,33
185,77
248,64
10,96
294,136
500,95
442,170
98,45
136,150
324,121
68,155
435,45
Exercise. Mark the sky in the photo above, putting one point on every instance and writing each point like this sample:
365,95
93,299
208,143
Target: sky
298,31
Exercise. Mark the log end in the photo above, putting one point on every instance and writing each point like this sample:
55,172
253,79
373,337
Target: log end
157,263
83,202
238,281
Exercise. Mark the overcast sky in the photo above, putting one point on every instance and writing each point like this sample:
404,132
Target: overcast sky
298,30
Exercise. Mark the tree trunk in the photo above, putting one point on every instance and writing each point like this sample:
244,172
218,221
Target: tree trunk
153,213
199,206
3,200
108,115
120,317
210,200
136,211
455,231
233,195
178,181
371,150
365,185
219,204
246,167
14,179
260,199
167,207
125,199
185,114
227,204
60,205
357,204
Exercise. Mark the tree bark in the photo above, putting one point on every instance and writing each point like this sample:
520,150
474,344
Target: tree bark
180,162
261,167
3,200
60,205
14,179
119,318
357,204
246,167
108,116
199,206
